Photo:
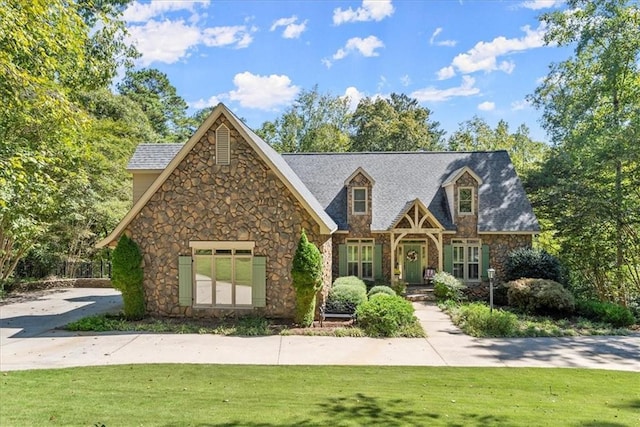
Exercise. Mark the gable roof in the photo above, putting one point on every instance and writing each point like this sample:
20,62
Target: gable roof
403,177
153,157
455,175
273,160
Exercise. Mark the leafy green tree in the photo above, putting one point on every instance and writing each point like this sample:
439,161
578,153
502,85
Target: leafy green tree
476,135
127,277
397,123
159,99
306,273
591,109
315,123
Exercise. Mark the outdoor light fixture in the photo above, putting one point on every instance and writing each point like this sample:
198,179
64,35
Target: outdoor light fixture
491,273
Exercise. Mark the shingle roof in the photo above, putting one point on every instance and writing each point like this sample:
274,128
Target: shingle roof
153,156
400,178
403,177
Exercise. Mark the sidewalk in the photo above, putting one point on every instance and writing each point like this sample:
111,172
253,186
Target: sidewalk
27,341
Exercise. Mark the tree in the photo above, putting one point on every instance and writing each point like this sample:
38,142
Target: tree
159,99
307,279
315,123
477,135
397,123
591,109
127,277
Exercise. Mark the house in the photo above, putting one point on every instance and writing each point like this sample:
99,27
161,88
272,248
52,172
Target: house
218,218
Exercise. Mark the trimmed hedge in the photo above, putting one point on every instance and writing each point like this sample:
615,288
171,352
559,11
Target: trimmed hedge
127,277
540,296
385,316
606,312
350,281
533,264
381,289
306,273
345,299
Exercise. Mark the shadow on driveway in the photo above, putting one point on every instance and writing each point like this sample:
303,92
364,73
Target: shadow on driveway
36,317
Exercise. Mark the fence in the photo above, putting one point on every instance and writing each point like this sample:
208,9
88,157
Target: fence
65,269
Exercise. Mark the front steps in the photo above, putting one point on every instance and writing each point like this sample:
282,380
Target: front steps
420,293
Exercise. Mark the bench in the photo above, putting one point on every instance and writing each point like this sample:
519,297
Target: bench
324,314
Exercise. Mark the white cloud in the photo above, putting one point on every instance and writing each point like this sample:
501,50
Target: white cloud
405,80
432,94
141,12
520,105
487,106
238,35
292,29
484,55
446,73
432,40
367,47
166,41
169,41
541,4
371,10
204,103
354,96
263,92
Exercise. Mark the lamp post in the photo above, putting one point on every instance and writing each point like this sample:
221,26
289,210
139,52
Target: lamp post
491,273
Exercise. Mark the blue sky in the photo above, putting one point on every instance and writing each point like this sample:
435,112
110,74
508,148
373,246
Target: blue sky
458,58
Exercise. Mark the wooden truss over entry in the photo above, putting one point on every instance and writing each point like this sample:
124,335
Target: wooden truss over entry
416,222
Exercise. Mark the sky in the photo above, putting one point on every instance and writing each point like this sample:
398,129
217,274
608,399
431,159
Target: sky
460,59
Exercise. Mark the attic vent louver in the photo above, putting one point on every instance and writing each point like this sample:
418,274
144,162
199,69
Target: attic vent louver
223,145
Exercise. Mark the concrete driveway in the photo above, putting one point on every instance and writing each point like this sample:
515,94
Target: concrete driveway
29,340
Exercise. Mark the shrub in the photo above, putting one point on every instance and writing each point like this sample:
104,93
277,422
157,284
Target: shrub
447,287
350,281
540,296
534,264
385,316
127,276
307,279
345,299
606,312
381,289
476,319
399,287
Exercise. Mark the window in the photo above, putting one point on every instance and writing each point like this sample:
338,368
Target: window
359,197
223,274
465,200
360,258
223,149
466,260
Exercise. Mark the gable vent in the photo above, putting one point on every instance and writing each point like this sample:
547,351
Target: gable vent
223,145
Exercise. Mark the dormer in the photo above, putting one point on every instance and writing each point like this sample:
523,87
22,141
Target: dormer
461,188
359,186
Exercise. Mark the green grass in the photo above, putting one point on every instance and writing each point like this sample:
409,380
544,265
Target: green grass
213,395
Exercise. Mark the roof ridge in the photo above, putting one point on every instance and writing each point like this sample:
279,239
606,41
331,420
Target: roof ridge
333,153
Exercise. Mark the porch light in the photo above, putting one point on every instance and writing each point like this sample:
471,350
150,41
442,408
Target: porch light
491,273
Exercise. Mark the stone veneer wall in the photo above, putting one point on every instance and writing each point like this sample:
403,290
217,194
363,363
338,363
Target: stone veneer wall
202,201
467,225
360,224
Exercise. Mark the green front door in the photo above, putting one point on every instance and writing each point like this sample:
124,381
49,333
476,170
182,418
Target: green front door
413,263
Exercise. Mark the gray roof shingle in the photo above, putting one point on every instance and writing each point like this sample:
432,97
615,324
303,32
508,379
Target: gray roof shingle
400,178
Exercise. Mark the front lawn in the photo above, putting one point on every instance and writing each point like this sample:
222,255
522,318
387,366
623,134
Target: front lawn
190,395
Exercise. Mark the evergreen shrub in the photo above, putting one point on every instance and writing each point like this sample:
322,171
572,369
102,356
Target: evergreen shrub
447,287
385,316
127,277
540,296
606,312
350,281
381,289
477,320
533,264
306,273
345,299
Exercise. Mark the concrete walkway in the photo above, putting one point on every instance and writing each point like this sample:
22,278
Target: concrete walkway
28,340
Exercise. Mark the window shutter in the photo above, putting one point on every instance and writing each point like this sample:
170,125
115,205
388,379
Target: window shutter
377,262
223,149
185,281
259,290
485,261
448,258
342,260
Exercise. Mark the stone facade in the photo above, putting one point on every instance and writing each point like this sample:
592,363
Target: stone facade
466,224
204,201
359,224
